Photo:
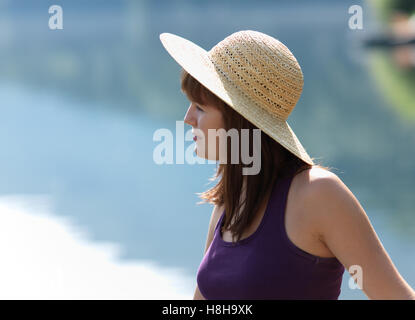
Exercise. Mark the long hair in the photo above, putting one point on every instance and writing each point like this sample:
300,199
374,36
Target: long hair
276,163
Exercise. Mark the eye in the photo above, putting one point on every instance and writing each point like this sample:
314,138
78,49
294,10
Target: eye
198,108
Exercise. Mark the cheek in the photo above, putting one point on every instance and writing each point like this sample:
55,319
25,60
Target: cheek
214,120
204,124
211,120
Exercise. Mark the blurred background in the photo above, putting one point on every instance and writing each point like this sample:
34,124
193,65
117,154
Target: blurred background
84,210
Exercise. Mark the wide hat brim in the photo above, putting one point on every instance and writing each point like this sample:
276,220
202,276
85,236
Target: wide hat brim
195,60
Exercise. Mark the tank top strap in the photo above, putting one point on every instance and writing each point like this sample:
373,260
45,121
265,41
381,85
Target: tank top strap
274,228
266,265
273,215
276,205
277,199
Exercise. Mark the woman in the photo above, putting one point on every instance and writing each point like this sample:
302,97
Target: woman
297,226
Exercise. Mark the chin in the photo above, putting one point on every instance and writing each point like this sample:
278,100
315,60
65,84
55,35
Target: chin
206,157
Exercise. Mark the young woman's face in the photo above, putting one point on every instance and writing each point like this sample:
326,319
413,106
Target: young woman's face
202,118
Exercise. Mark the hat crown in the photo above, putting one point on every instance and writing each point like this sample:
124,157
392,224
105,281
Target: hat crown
260,67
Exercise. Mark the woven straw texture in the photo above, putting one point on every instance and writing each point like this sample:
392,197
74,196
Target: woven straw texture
253,73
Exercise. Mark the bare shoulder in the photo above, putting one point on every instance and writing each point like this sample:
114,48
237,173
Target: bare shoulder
303,212
345,229
217,212
325,197
214,218
315,182
315,191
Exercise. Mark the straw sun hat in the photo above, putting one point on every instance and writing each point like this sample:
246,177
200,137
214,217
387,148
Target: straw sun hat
253,73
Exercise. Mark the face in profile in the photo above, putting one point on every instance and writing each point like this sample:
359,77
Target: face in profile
202,118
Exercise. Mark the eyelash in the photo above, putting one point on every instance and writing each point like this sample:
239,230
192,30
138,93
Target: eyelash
198,108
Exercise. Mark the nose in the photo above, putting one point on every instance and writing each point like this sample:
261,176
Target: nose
189,117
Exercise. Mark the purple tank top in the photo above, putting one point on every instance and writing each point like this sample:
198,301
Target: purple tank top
267,265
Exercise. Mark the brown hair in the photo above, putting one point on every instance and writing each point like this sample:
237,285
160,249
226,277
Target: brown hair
276,162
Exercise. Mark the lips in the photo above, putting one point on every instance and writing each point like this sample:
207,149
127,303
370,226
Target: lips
194,136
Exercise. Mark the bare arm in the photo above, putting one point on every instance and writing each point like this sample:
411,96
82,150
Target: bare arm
217,211
347,232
